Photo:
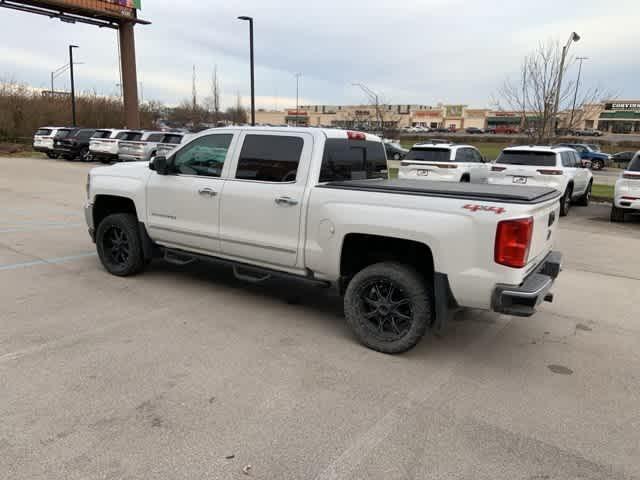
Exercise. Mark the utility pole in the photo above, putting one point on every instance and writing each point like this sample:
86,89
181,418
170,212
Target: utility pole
73,87
297,75
575,95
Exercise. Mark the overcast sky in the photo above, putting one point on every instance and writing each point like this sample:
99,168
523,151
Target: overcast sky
410,51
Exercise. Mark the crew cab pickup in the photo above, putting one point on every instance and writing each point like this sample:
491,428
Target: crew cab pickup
315,205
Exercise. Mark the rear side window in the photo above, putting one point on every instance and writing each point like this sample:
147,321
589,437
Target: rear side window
84,134
102,134
43,132
352,160
634,165
568,159
429,154
535,159
155,137
269,158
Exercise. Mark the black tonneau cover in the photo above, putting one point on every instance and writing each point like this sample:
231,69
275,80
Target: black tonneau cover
465,191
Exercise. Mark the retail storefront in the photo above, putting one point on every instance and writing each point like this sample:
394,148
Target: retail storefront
620,117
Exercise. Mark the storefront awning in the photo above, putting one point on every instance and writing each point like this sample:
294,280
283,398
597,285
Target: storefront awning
504,119
620,116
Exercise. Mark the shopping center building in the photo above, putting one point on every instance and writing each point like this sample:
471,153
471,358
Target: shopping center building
615,116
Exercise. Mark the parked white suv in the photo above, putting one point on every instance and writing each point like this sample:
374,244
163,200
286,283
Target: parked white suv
43,141
627,193
542,166
170,141
141,149
444,162
103,145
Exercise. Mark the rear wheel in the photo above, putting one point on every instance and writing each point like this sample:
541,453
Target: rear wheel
119,244
597,164
586,197
565,201
388,306
52,155
617,214
465,179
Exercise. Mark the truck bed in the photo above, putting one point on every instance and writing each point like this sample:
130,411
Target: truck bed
465,191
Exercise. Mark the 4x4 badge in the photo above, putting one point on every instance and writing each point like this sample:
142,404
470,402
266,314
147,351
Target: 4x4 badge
484,208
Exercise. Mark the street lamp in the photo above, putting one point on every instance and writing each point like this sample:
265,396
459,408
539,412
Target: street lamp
575,95
253,93
574,37
297,75
73,88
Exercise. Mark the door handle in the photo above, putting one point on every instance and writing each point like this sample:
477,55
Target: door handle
286,201
207,191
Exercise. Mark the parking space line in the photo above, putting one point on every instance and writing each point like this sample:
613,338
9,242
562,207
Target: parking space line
46,261
43,226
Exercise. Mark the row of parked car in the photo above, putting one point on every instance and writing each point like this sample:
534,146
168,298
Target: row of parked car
105,144
559,166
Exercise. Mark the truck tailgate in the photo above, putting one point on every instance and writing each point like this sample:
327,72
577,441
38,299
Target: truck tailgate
545,223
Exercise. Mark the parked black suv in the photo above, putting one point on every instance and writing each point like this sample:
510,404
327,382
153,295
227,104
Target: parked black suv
71,143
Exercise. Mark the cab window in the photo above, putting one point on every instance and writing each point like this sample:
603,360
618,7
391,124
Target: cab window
203,156
269,158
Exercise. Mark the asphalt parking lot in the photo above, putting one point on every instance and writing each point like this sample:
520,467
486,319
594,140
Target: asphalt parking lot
187,373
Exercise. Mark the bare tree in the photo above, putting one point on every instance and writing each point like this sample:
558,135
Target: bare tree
534,93
386,119
237,114
212,102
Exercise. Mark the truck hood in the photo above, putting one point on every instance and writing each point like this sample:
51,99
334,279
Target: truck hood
139,170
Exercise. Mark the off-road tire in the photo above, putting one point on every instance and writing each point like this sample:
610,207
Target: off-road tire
411,287
113,258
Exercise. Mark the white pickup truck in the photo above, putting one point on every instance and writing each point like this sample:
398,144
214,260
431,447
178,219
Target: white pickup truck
315,205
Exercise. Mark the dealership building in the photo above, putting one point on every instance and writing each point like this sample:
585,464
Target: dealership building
615,116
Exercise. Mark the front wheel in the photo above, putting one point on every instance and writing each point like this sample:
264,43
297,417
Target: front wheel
52,155
119,244
85,155
597,164
388,306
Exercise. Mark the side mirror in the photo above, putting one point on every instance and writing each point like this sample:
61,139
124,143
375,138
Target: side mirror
160,165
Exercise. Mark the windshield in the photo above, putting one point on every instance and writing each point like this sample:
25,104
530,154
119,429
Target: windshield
174,139
131,136
63,133
102,134
43,132
429,154
634,165
536,159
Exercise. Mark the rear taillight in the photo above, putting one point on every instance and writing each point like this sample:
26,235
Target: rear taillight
631,176
498,169
356,135
550,172
513,239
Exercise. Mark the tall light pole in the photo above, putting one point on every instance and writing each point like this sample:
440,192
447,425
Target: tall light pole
73,87
575,95
297,75
253,93
574,37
